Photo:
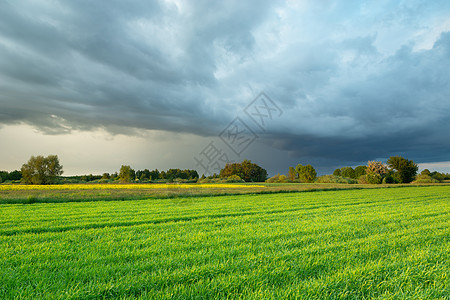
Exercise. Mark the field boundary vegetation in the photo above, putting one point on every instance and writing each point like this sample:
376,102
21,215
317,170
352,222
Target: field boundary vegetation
19,194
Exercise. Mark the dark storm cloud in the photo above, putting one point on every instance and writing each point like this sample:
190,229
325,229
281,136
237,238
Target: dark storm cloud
356,80
402,107
140,64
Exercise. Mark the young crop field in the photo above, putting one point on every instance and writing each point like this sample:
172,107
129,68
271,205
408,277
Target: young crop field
27,194
385,243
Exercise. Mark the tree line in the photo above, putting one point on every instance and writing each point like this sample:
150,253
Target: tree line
48,170
396,170
300,173
127,174
10,176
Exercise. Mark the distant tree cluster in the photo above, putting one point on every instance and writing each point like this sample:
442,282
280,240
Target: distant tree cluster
300,173
172,174
349,172
335,179
215,178
279,179
147,175
436,175
127,174
90,177
246,170
397,170
10,176
426,176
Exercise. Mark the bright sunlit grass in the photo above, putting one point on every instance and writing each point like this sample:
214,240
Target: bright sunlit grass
353,244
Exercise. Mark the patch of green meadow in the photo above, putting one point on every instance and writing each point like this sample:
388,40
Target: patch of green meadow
365,244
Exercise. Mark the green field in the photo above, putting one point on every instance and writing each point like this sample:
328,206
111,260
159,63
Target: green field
26,194
389,243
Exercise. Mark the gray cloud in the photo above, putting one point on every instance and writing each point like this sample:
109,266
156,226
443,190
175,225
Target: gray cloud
356,81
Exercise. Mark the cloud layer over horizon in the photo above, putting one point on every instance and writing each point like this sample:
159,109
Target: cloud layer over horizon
356,80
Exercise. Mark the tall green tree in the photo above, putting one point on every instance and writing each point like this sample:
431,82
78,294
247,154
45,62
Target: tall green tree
348,172
292,174
41,170
359,171
337,172
306,173
126,174
406,170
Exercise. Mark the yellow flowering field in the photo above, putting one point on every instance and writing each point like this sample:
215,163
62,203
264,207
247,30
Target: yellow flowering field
123,186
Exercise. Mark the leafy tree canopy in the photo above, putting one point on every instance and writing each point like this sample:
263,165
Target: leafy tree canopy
306,173
41,170
406,169
246,170
126,174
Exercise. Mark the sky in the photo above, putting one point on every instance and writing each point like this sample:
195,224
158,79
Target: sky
193,84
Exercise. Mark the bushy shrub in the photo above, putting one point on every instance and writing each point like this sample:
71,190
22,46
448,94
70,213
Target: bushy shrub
425,179
389,179
374,178
159,181
180,180
273,179
438,176
204,180
277,179
363,179
282,179
104,181
347,172
359,171
425,172
335,179
234,178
